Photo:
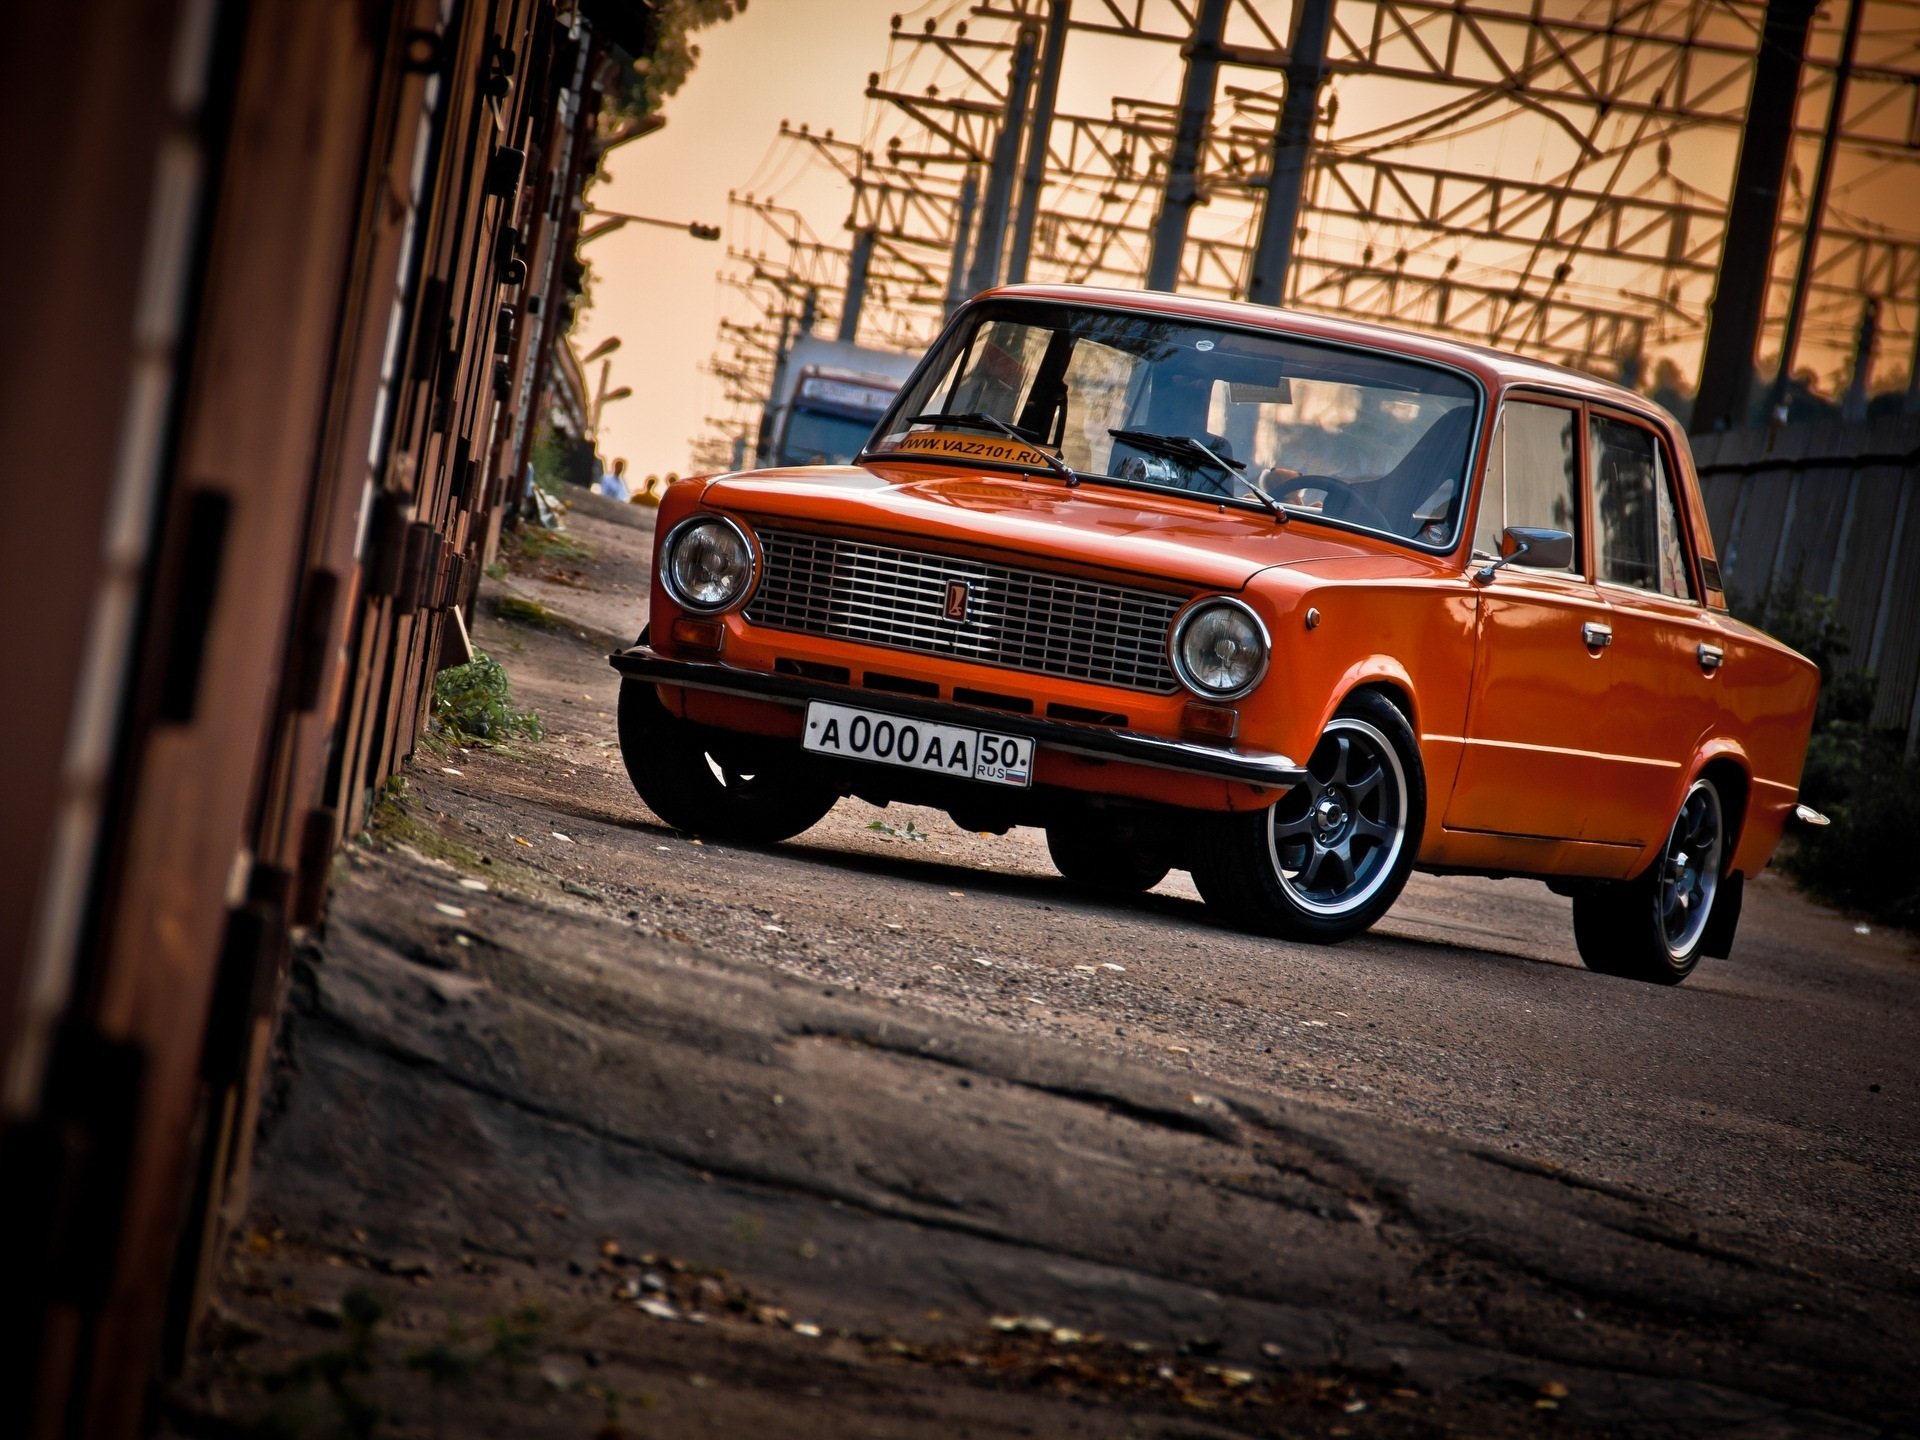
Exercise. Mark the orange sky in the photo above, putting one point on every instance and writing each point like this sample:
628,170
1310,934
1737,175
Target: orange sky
803,60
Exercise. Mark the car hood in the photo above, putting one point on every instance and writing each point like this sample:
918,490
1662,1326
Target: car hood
1161,537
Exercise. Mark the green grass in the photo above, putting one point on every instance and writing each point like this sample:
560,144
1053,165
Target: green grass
538,544
472,703
517,610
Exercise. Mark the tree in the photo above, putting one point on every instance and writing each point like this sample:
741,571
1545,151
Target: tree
649,79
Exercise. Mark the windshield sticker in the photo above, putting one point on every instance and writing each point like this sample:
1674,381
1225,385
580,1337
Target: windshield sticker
971,447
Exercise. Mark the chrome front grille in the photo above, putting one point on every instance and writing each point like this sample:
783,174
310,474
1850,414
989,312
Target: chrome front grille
1018,619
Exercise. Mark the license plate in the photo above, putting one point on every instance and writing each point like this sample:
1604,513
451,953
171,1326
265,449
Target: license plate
956,750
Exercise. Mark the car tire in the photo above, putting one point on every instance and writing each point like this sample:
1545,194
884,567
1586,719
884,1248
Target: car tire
1653,927
694,790
1330,858
1116,860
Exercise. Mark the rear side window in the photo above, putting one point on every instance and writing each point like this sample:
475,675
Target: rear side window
1635,516
1533,475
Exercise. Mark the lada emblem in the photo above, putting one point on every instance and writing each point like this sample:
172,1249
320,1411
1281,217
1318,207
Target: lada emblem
959,597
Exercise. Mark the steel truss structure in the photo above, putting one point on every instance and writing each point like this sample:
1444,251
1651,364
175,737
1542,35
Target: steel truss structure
1551,176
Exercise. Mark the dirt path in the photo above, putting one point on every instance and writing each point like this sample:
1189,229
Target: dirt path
613,1123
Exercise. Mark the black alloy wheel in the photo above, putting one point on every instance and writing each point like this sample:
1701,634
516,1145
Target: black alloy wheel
1652,927
1331,857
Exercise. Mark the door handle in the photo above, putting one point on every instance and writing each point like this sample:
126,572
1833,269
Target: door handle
1711,657
1596,634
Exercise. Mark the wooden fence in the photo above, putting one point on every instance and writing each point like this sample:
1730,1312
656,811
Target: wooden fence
1832,506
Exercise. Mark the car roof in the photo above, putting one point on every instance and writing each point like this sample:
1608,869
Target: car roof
1497,369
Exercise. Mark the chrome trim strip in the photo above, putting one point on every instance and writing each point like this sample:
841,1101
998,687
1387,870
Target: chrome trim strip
1555,750
641,662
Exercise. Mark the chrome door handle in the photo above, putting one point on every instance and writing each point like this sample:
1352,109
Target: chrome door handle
1596,634
1711,656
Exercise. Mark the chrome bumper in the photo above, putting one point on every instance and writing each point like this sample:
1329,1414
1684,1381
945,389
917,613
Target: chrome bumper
641,663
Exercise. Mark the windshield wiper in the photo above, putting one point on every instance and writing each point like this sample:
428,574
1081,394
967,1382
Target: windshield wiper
980,420
1187,446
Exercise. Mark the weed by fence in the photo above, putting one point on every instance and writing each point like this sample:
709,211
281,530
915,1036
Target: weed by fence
1859,776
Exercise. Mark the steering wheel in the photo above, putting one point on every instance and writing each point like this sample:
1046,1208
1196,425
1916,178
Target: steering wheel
1343,501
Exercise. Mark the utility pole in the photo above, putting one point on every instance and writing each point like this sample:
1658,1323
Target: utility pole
1196,113
1034,175
962,234
1292,147
1746,260
1911,406
1816,212
985,272
1866,341
858,263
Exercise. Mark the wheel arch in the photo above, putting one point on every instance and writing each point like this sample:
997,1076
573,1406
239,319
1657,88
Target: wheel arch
1725,765
1387,678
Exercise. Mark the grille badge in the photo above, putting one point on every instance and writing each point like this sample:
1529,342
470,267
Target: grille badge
959,601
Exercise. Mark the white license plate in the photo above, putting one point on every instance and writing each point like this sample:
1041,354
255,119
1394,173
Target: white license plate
955,750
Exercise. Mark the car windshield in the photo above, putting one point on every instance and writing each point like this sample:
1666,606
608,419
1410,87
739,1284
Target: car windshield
1252,418
813,438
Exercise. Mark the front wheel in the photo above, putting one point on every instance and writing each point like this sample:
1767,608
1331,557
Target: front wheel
694,789
1652,928
1333,854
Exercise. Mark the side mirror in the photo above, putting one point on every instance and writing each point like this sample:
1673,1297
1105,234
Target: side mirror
1535,549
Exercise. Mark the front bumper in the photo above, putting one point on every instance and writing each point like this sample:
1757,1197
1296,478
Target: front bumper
1154,751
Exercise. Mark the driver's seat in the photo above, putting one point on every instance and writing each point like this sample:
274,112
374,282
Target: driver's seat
1436,458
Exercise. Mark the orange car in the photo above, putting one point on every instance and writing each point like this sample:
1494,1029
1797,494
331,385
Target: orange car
1291,603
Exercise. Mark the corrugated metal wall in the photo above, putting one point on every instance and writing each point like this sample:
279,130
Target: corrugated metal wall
283,274
1832,506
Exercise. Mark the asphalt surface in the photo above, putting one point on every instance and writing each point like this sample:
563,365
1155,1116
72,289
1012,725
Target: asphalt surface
832,1107
1778,1089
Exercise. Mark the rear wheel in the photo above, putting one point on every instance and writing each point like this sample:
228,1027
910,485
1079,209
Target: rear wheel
1333,854
1105,859
1653,927
694,788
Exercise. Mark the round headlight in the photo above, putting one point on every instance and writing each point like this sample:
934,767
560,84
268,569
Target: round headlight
708,563
1220,649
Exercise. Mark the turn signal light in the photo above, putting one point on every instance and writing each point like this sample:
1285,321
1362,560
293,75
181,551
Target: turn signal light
1213,722
698,634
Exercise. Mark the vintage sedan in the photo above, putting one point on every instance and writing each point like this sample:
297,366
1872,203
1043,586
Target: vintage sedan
1292,603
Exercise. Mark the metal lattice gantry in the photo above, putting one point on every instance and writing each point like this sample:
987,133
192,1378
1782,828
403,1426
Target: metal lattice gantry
1552,176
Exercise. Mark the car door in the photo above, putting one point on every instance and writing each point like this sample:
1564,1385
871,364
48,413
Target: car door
1666,652
1536,743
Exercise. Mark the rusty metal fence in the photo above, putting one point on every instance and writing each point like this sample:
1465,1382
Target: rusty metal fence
1831,507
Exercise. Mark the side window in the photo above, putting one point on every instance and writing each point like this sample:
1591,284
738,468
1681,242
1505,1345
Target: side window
1634,512
1533,476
